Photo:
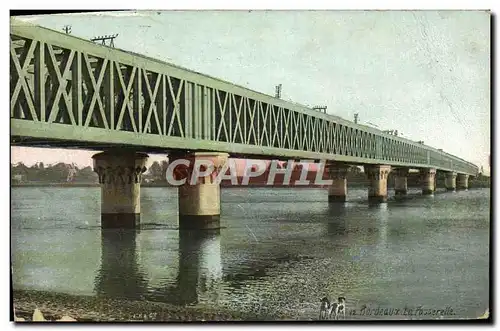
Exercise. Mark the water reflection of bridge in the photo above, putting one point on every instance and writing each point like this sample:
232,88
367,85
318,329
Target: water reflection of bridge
121,275
195,274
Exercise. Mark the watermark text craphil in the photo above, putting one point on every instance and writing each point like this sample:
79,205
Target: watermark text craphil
254,172
418,311
253,169
274,170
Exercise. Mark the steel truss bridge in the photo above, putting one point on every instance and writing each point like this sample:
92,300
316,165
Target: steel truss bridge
69,92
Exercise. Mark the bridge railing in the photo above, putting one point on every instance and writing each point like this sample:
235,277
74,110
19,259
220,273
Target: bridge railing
63,86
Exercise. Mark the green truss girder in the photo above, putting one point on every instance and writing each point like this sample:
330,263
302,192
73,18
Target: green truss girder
67,88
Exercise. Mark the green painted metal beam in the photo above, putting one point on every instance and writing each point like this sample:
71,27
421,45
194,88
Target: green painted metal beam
84,92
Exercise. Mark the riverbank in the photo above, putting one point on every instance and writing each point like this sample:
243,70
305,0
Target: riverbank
63,184
350,185
353,181
99,309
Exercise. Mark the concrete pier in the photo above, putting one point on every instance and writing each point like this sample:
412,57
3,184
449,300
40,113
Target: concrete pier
428,180
120,179
199,201
377,174
337,192
450,181
462,182
401,181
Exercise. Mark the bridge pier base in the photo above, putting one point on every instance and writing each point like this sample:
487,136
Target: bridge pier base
337,192
199,198
401,181
377,174
428,180
462,182
120,179
450,181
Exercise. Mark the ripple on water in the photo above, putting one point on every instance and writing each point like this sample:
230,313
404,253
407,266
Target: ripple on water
280,252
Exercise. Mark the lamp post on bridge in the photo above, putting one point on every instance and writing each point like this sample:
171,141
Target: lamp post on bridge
67,29
320,108
103,40
278,91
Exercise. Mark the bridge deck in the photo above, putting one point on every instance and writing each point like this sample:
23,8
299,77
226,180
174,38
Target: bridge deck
69,92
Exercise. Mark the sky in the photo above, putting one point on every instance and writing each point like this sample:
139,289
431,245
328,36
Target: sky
424,73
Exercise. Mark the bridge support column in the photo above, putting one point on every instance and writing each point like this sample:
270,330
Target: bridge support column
337,192
450,181
120,179
199,199
462,182
401,181
377,174
428,180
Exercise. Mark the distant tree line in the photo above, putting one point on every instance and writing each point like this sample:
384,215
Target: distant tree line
156,172
56,173
66,173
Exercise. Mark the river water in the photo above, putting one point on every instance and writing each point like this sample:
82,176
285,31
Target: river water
279,250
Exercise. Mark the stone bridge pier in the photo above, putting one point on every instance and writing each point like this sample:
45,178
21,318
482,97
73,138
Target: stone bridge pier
428,181
337,172
199,192
450,181
462,182
120,179
401,181
377,174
